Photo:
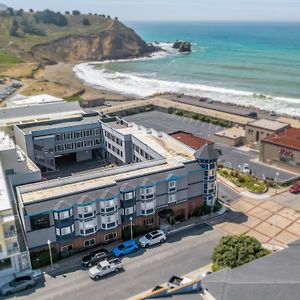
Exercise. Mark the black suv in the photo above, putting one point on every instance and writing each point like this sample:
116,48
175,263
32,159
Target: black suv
94,257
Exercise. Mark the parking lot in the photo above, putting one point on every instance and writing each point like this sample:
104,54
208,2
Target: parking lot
231,157
182,252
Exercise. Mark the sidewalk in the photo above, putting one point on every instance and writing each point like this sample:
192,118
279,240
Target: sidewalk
64,264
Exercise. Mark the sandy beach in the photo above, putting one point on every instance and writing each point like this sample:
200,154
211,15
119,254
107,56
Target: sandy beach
59,80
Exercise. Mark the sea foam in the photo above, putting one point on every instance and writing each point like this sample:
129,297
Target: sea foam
144,85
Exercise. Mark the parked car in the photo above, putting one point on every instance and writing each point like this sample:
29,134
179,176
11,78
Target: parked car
105,267
273,114
18,284
295,188
252,114
152,238
94,257
246,169
125,248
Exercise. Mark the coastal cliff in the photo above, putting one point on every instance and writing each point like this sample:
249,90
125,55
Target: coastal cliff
54,37
115,42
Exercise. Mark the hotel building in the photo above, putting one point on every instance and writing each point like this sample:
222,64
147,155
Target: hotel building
140,173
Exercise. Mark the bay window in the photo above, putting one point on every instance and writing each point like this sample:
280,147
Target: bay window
128,195
108,206
88,227
148,192
147,208
109,221
65,230
86,211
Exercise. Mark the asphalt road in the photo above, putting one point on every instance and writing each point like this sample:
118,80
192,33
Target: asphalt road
225,107
231,157
183,252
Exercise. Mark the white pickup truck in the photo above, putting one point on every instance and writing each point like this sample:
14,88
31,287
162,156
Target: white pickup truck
105,267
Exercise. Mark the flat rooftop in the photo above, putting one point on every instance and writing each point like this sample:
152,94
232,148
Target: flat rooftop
289,138
20,100
174,154
190,140
17,115
63,123
269,125
232,133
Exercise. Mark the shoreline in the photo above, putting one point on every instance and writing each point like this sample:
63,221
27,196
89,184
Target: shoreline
60,80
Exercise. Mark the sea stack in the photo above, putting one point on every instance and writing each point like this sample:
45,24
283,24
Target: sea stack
182,46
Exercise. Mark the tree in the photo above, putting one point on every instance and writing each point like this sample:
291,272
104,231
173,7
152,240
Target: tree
50,17
20,12
31,10
234,251
14,28
67,12
11,11
76,12
86,22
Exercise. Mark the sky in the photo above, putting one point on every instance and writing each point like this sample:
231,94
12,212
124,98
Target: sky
175,10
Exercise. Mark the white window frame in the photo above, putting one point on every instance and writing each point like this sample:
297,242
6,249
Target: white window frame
148,205
172,198
148,191
129,210
65,230
172,186
129,195
115,235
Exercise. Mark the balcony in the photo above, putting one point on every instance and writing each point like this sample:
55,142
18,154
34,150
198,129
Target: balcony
10,234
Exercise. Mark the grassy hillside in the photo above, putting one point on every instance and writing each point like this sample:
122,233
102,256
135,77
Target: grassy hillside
15,49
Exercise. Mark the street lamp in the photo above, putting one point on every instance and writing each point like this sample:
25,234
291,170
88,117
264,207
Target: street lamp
50,253
276,210
131,233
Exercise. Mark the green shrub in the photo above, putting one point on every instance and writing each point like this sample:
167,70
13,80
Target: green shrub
232,174
234,251
195,116
42,258
179,112
225,173
215,268
241,179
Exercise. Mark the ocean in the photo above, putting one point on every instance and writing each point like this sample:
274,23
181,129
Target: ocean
249,64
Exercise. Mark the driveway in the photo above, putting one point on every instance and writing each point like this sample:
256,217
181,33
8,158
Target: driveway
181,253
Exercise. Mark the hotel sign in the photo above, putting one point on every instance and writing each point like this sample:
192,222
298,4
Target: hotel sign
286,154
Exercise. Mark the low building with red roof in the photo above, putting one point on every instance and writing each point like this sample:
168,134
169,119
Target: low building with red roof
190,140
282,149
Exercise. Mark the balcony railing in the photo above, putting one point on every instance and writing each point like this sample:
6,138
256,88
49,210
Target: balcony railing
10,234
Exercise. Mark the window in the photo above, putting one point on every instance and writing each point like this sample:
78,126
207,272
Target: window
110,221
172,198
149,222
172,186
108,205
148,193
65,230
129,211
89,243
65,214
39,222
128,196
66,248
110,236
87,211
88,227
147,208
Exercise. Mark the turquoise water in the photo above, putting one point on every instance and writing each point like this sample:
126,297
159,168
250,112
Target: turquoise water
254,64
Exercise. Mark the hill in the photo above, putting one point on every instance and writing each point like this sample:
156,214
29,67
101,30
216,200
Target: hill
53,37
